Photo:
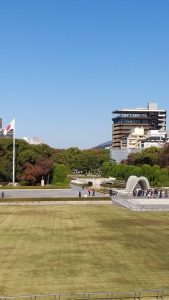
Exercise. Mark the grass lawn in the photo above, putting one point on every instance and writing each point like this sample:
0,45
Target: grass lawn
52,249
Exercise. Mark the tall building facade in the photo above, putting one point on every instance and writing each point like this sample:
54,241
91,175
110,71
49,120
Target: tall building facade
150,118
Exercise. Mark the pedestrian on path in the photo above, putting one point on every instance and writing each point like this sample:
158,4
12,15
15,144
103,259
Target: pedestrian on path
2,194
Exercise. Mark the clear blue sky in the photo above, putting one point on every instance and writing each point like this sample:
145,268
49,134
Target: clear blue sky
66,64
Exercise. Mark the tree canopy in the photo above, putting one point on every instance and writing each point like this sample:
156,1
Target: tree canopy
34,162
152,163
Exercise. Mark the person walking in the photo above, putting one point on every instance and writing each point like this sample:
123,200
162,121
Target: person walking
2,194
160,194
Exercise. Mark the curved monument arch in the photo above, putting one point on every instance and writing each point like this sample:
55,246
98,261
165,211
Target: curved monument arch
134,180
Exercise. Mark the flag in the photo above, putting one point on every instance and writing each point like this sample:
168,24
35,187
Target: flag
9,127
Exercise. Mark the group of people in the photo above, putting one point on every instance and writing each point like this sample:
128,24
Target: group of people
90,192
151,193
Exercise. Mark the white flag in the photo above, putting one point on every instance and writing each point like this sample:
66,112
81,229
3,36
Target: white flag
9,127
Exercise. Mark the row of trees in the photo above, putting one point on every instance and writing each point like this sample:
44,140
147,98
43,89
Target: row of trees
152,156
152,163
34,162
157,176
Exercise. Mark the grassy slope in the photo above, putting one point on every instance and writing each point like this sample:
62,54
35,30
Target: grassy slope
82,248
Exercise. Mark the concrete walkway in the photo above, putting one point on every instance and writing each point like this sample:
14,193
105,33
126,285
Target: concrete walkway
152,203
47,193
45,203
141,204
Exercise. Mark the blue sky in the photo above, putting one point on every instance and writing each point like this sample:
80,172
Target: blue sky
66,64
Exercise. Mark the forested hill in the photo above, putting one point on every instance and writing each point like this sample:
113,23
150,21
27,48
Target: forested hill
103,145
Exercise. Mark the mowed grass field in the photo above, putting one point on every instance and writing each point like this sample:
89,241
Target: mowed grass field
52,249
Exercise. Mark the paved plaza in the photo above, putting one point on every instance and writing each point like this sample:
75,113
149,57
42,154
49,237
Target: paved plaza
47,193
141,203
133,203
152,203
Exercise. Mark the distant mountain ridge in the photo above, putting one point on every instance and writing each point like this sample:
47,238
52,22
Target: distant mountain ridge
104,145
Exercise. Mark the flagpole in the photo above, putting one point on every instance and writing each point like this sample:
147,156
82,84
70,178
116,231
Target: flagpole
13,175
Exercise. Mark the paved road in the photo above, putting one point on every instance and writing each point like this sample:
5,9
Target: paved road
44,193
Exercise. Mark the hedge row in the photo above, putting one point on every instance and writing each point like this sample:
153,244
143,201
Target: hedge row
54,199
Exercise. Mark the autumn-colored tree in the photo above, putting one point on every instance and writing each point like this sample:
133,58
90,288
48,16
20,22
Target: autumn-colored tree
163,157
46,166
32,173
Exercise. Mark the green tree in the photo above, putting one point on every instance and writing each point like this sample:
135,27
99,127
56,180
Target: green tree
60,174
148,156
106,169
